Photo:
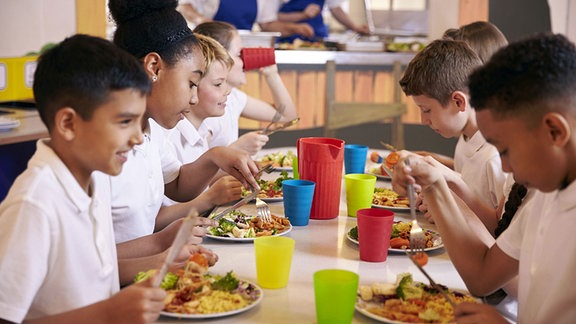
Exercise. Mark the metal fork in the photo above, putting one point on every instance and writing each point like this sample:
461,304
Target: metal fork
432,282
263,211
417,237
267,168
275,118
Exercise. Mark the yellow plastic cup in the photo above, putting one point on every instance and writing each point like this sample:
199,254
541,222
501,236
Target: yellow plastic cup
359,191
273,260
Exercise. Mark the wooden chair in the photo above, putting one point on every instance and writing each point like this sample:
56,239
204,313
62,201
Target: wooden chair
344,114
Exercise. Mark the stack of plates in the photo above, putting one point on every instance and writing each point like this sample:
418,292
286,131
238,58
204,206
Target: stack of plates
7,123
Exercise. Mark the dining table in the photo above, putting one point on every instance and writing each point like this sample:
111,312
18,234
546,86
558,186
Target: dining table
322,244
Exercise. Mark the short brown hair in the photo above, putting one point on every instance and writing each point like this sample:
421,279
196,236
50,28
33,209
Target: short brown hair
482,37
439,69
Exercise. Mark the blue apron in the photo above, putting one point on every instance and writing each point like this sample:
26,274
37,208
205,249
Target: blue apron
240,13
320,30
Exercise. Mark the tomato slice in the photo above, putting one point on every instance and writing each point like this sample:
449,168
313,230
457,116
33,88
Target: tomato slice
199,259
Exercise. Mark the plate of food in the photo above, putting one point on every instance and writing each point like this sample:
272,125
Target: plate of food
408,301
195,293
389,199
237,226
270,190
377,164
400,237
280,160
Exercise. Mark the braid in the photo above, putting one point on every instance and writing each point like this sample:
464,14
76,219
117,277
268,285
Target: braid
517,194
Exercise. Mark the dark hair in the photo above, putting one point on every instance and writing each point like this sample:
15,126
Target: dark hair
222,32
527,76
439,69
515,197
146,26
80,73
482,37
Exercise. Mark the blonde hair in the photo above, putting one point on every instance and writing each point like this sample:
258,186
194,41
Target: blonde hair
214,52
483,37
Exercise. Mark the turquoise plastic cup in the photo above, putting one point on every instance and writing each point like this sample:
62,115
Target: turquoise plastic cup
298,196
355,158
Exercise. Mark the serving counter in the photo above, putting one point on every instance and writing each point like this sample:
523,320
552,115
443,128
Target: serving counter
361,77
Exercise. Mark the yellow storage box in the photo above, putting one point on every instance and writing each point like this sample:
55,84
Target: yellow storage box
17,77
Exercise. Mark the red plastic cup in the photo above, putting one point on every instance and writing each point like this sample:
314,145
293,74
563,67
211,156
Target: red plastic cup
374,229
320,159
257,57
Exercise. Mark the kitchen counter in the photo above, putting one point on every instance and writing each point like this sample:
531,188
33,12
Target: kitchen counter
308,57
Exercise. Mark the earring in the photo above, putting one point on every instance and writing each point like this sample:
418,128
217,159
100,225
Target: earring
154,78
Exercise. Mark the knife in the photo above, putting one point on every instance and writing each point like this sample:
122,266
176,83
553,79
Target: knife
239,204
271,131
177,244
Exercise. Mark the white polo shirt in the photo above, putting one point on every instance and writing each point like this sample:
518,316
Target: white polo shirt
138,191
480,166
189,143
224,128
543,241
57,250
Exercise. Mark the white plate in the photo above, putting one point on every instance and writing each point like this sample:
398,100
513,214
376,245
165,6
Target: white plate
282,168
398,209
243,239
7,123
272,200
361,308
437,241
379,176
215,315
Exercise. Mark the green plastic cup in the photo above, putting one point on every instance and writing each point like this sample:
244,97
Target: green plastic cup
335,295
273,260
359,191
295,174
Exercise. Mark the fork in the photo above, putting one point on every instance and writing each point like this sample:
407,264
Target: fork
432,282
267,168
275,118
263,211
417,237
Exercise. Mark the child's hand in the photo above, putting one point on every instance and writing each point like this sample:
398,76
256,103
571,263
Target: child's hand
477,313
137,303
225,190
251,142
269,70
423,208
236,163
189,250
420,172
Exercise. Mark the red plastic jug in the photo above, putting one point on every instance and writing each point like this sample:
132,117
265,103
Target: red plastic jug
320,159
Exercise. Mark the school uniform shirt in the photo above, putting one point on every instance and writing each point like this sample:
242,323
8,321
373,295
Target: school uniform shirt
138,191
57,250
543,241
224,128
189,144
479,164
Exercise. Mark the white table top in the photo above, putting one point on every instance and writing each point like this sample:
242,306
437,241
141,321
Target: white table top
320,245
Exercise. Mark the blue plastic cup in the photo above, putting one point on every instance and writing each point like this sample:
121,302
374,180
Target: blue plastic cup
298,195
355,158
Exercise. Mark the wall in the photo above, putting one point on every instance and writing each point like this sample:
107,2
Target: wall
26,25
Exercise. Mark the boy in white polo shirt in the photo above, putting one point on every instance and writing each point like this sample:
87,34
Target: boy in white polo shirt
57,254
436,79
525,98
